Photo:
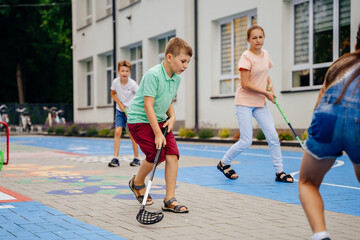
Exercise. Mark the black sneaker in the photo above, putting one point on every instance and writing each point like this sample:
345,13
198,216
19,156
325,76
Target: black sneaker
326,238
114,163
135,162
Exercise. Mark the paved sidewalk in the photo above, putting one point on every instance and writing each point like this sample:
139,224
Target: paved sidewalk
54,194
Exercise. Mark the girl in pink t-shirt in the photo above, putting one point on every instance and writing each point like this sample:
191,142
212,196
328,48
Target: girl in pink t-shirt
255,86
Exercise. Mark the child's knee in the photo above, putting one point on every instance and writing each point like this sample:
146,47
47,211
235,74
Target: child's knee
171,158
118,131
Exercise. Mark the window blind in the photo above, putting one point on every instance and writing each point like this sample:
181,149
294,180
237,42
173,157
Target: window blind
323,15
226,48
240,31
344,13
301,33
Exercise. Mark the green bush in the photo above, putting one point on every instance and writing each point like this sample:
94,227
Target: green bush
91,131
59,130
182,132
304,136
260,135
190,133
124,132
186,133
224,133
285,136
50,130
206,133
111,133
104,132
73,130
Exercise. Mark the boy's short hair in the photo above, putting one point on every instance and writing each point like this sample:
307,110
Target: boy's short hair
175,45
124,63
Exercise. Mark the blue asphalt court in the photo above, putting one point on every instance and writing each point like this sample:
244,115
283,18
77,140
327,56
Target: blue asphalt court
340,189
30,220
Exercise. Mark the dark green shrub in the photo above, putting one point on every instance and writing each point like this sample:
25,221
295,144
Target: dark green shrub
50,129
124,132
206,133
59,130
190,133
91,131
73,130
260,135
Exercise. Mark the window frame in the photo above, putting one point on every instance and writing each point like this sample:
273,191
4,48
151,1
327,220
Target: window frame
136,63
109,81
108,7
167,37
89,77
250,14
311,66
88,12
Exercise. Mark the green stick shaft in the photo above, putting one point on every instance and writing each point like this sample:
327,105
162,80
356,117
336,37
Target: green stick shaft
281,111
288,122
1,159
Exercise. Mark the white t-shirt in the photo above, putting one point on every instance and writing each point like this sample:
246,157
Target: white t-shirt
125,93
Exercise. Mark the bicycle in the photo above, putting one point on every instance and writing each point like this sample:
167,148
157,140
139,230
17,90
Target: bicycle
24,120
4,117
54,115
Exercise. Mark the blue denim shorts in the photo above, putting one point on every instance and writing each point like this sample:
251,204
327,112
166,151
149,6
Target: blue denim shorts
336,127
120,119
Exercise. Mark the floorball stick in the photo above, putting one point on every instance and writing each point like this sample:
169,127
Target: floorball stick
143,216
288,123
1,159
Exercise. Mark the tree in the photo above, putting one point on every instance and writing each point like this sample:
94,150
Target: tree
36,59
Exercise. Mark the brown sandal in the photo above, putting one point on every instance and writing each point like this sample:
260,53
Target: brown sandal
169,207
135,189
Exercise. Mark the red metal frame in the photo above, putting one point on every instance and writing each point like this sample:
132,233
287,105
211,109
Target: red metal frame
7,142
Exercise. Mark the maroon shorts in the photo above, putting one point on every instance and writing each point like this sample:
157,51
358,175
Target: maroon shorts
145,138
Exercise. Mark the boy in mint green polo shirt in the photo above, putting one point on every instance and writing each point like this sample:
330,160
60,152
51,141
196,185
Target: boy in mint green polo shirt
147,116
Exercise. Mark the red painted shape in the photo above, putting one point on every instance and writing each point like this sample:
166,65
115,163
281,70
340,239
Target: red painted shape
18,197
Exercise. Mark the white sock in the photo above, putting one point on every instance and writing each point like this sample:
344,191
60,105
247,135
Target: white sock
137,158
116,157
320,235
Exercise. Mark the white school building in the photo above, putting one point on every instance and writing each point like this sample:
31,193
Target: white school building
303,38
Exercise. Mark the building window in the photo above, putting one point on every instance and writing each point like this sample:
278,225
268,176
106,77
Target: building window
232,44
137,63
321,34
89,76
88,8
162,42
109,77
108,7
126,3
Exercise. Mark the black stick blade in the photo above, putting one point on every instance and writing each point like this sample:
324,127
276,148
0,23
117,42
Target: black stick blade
145,217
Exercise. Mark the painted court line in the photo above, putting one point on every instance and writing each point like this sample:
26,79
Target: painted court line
27,219
340,184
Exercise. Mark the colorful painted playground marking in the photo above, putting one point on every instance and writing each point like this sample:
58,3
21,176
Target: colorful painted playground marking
8,196
340,189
